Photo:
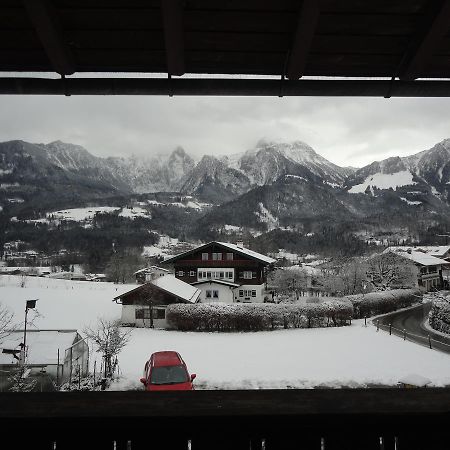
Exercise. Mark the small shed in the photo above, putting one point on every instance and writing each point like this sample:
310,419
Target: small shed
145,306
60,353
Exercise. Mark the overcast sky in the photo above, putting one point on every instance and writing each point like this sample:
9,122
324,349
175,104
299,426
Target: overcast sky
347,131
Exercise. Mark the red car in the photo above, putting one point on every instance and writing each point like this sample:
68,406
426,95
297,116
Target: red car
166,371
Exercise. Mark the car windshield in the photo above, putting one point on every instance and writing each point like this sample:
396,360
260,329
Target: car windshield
168,375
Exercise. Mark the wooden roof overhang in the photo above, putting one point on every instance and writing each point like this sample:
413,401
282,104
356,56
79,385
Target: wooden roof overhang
268,47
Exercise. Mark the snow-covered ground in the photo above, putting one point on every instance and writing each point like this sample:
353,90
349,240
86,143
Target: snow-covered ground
333,357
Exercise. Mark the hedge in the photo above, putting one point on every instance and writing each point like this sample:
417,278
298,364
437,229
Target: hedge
257,316
374,303
439,315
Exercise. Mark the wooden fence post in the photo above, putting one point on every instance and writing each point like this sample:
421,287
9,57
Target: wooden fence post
429,341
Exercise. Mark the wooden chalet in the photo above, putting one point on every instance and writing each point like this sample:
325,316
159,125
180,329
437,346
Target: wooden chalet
227,262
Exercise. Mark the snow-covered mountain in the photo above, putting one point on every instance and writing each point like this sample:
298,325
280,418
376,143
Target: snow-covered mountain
268,161
427,170
160,173
263,165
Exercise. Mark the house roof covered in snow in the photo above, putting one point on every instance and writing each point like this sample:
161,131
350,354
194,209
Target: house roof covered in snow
434,250
421,258
212,281
227,245
171,285
43,345
151,269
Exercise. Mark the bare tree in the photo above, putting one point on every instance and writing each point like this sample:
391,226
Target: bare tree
289,281
110,339
6,322
391,271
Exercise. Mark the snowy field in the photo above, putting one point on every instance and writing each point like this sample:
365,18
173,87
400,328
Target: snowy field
333,357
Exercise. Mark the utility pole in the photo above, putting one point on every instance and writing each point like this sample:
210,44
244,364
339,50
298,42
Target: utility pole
30,304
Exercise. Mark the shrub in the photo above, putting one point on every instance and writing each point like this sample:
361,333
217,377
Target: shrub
257,316
439,315
374,303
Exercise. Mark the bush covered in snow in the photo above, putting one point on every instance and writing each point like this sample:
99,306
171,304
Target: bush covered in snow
257,316
374,303
439,315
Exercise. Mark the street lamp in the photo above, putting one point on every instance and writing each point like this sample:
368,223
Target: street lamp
30,304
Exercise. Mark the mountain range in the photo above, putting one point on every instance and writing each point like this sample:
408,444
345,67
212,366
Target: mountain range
270,185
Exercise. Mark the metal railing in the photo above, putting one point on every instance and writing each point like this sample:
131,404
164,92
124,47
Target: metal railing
426,341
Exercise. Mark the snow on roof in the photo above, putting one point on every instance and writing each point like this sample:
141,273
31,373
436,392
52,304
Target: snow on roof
42,345
234,247
177,287
248,252
418,257
434,250
226,283
150,269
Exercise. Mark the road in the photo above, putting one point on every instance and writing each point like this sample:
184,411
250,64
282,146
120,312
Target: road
412,321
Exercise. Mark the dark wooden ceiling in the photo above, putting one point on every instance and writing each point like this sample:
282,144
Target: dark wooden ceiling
408,39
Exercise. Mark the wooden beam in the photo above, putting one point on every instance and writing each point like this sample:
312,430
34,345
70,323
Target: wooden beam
48,28
172,11
222,87
306,27
424,45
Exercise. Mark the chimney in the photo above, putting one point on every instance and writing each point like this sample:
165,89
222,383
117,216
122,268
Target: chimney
240,244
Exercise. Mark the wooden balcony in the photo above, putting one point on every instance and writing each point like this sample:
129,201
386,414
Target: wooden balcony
326,419
216,263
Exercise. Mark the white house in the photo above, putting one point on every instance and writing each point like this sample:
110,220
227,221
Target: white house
431,268
216,291
145,306
150,273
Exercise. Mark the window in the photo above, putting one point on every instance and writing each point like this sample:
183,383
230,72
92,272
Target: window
208,294
230,275
159,313
200,274
204,256
180,273
222,275
241,293
217,256
253,293
192,273
215,294
144,313
208,274
230,256
248,274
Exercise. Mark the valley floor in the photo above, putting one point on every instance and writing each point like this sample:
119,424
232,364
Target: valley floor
353,356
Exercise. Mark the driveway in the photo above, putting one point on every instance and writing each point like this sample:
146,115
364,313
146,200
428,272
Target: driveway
412,321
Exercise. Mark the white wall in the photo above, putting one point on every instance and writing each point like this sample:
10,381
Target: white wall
129,317
259,298
225,293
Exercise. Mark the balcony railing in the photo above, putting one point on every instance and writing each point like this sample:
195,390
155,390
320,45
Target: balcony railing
325,419
216,263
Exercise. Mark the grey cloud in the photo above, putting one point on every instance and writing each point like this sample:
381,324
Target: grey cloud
347,131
